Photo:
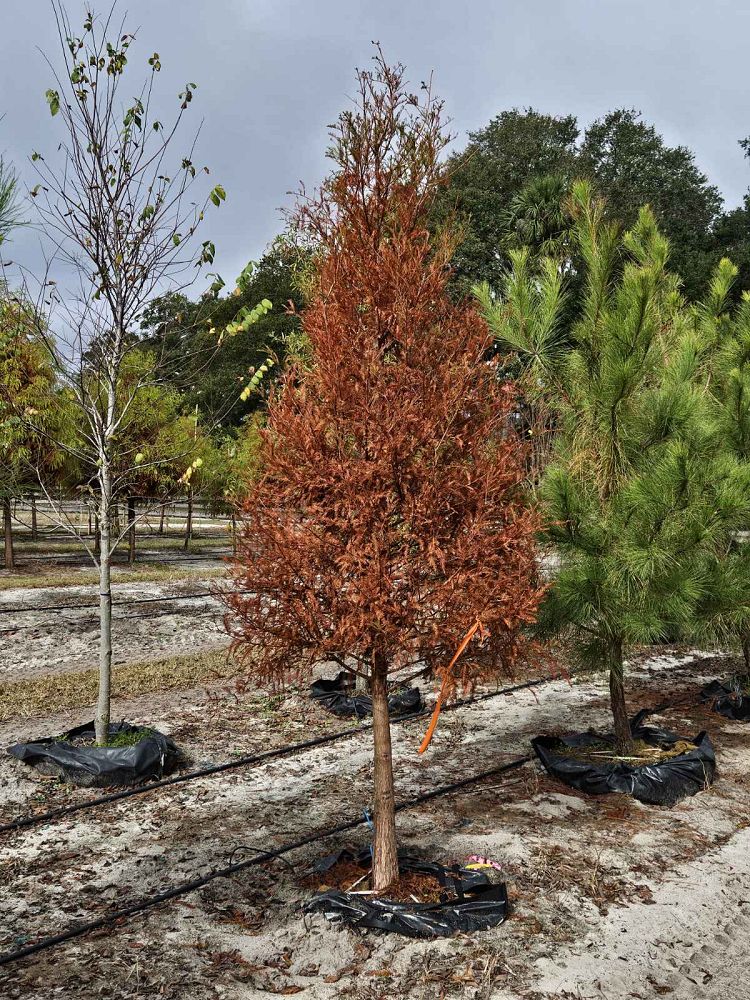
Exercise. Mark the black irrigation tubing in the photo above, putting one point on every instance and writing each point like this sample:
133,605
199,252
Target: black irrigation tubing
184,888
116,618
292,748
117,604
167,614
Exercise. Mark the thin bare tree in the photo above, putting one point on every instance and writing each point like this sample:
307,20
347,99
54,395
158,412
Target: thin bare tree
117,206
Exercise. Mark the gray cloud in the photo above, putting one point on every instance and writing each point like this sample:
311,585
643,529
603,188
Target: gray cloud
273,73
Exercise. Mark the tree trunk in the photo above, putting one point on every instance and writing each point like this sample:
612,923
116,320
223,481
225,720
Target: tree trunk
623,735
131,530
101,719
10,562
161,518
385,858
97,537
34,533
234,534
361,684
189,521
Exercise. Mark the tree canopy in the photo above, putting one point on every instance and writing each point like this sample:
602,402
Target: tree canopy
185,334
499,160
639,498
505,182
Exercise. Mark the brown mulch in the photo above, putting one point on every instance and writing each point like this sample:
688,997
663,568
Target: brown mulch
346,875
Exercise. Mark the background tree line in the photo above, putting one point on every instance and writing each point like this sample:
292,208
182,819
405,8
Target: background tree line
509,188
510,185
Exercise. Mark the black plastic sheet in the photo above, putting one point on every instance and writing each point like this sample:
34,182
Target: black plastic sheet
472,902
337,697
728,700
152,757
657,784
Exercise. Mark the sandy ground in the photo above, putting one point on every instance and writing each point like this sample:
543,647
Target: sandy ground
691,941
610,898
33,643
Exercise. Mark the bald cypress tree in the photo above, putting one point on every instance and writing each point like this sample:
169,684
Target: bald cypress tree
638,500
390,515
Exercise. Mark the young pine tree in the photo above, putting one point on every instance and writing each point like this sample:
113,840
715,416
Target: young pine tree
638,501
388,517
724,329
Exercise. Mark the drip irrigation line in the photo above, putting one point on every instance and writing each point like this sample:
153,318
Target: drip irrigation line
293,748
184,888
169,614
177,780
115,604
9,630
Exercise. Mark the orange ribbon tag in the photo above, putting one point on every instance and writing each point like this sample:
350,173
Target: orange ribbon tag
477,626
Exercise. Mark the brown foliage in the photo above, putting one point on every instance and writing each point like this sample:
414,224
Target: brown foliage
389,517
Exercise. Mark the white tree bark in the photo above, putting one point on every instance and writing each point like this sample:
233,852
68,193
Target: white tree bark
101,719
107,431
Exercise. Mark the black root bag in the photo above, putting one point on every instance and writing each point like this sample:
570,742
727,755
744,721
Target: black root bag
662,784
338,697
471,901
152,757
727,700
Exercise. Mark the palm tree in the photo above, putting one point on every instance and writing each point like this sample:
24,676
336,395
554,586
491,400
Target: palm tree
538,217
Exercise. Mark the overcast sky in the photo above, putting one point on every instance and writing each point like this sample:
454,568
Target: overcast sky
272,74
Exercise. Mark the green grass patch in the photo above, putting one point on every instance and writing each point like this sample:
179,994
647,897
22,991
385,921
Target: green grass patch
41,696
127,739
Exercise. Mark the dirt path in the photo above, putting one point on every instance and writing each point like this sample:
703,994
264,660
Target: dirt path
34,643
578,868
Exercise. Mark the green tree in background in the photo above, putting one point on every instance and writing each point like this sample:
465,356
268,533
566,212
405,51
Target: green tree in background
731,238
144,452
638,500
233,466
185,333
504,185
28,410
190,464
538,217
515,148
630,165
